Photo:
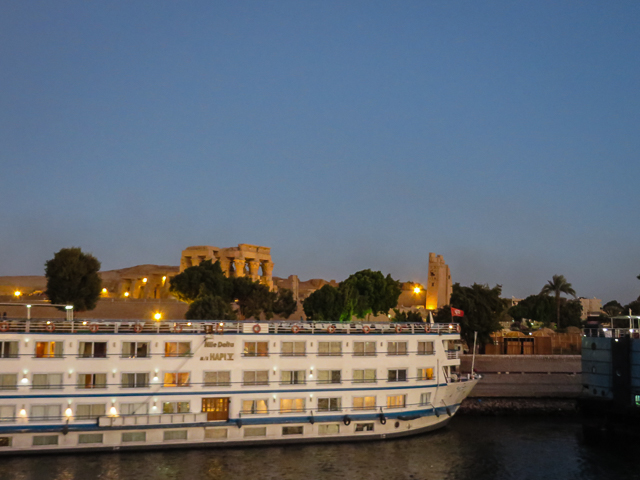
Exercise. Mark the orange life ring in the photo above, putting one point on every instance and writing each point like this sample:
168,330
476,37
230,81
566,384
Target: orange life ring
138,327
366,329
331,329
50,327
219,328
94,327
398,328
295,329
256,328
177,327
427,328
4,327
458,328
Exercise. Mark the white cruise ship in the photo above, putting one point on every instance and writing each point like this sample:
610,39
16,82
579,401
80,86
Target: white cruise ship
120,385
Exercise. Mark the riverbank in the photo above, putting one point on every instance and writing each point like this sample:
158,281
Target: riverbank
496,406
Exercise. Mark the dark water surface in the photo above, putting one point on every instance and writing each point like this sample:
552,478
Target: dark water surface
470,448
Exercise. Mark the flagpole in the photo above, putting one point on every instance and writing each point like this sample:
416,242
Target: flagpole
473,359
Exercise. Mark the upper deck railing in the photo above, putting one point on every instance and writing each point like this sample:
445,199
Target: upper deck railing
219,327
611,332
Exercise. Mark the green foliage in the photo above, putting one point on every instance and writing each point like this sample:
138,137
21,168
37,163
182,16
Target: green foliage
72,279
367,292
539,308
210,307
325,304
407,317
206,277
207,289
571,313
482,308
633,306
558,285
613,308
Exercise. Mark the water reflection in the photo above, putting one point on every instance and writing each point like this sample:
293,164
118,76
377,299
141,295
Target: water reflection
469,449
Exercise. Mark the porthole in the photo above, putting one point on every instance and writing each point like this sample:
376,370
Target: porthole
397,424
593,346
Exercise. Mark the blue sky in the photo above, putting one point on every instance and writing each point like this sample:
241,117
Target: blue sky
344,135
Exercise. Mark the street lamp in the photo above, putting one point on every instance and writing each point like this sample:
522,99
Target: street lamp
157,316
416,289
17,293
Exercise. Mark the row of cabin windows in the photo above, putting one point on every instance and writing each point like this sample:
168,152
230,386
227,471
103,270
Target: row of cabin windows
249,407
55,349
50,381
209,433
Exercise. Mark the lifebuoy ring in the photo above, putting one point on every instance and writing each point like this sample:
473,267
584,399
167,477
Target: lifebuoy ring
383,419
177,328
427,328
331,329
138,327
398,328
256,328
4,327
219,328
94,327
346,420
295,329
458,328
50,327
366,329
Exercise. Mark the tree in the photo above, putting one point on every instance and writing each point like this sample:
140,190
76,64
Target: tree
557,285
571,313
368,293
633,306
72,279
207,277
285,305
210,307
407,317
482,308
325,304
613,308
539,308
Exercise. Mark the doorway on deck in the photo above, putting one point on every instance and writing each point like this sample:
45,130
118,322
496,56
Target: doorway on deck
217,408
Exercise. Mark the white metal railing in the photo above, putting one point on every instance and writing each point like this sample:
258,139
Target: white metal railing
217,327
611,332
162,419
453,354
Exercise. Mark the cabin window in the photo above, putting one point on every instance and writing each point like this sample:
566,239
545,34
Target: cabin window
40,440
93,349
212,433
364,349
49,349
255,377
217,379
333,404
292,377
135,380
92,380
255,432
330,349
176,407
177,349
8,349
255,407
7,413
256,349
367,375
290,405
5,441
397,375
396,401
425,348
176,379
8,381
425,398
298,430
90,410
329,429
169,435
128,437
134,409
293,349
329,376
45,412
364,427
364,403
135,349
425,373
396,348
47,381
90,438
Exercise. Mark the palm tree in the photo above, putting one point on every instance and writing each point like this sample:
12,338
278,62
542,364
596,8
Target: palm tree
557,285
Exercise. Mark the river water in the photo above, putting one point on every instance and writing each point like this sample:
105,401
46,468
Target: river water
470,448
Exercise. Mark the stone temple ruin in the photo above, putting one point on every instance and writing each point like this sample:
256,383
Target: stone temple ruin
244,260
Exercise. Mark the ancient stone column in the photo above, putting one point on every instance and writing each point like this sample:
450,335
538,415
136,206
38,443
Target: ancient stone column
238,263
267,270
224,265
254,268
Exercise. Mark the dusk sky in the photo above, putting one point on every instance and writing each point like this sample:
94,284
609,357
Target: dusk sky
344,135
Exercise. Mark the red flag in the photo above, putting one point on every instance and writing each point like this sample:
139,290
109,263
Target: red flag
456,312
